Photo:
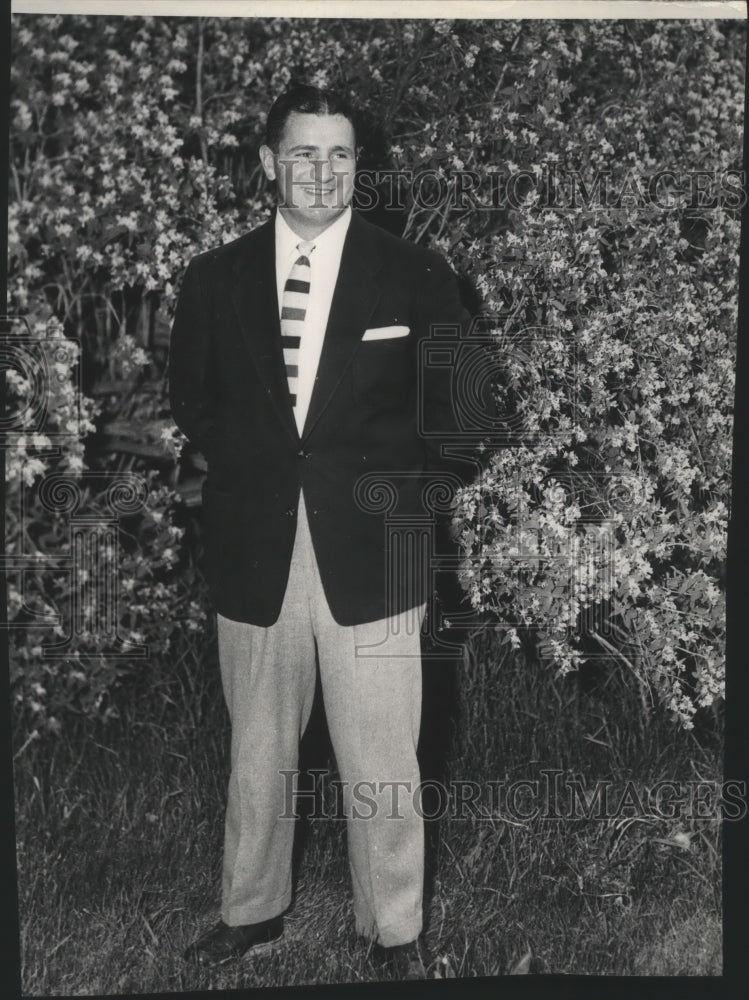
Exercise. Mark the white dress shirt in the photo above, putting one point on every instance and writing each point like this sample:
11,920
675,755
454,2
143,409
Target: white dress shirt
325,262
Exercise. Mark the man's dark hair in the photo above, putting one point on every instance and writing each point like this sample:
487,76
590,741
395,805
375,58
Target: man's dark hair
308,100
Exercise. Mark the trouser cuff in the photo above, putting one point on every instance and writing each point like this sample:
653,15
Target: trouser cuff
236,916
393,934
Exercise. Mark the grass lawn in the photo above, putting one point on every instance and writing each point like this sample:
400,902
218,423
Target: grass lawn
120,833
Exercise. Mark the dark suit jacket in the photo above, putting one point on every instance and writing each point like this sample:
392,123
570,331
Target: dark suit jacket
229,396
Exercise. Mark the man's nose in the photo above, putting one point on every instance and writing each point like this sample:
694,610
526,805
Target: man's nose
323,169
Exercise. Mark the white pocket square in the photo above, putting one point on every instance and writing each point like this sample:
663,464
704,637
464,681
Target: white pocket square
386,332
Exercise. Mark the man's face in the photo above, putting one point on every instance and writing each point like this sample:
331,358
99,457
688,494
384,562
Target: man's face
313,169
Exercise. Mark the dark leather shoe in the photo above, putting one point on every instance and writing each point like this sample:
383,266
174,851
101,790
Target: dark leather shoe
407,961
223,943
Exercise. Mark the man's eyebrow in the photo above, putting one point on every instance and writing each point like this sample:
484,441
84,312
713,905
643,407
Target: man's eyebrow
303,146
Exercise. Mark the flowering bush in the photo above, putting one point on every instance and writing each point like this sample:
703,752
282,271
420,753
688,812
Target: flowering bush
608,532
59,519
554,164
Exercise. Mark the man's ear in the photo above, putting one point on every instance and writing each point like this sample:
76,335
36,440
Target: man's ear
268,162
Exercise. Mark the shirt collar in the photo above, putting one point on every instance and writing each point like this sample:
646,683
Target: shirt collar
328,241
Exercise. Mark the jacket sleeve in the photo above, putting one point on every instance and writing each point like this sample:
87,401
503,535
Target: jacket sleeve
192,363
451,357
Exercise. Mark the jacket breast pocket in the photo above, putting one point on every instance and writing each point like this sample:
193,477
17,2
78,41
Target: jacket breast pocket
383,371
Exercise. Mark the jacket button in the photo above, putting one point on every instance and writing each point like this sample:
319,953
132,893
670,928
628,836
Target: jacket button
290,511
302,453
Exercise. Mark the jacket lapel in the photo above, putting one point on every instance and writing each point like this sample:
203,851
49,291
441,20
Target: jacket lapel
255,300
356,294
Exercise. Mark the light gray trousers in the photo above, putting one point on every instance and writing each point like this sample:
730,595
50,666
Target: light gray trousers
373,709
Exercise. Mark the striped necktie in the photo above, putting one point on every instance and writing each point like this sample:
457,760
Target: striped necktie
293,310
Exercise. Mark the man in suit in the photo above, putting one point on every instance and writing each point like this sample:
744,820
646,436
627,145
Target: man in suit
294,368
